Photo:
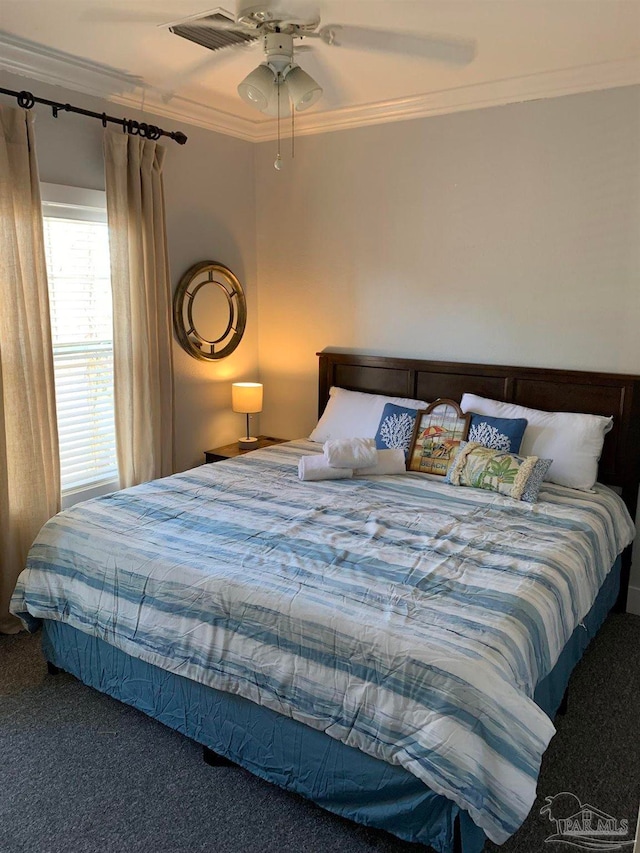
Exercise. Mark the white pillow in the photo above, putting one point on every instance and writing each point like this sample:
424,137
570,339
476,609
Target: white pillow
352,414
573,441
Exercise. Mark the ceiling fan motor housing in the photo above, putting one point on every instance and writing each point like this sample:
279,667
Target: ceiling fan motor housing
278,48
252,14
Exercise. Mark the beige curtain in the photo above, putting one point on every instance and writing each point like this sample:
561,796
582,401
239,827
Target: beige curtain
143,378
29,461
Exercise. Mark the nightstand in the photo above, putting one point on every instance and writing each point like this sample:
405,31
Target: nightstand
230,451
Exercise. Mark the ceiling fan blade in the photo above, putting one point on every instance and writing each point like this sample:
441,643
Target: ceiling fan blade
429,46
208,24
169,89
326,74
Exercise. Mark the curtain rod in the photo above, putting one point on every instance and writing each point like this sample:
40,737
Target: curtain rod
134,128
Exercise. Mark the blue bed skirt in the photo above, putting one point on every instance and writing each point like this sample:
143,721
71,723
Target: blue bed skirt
288,753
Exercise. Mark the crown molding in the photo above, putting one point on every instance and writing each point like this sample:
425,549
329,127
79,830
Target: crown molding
548,84
186,111
27,59
46,65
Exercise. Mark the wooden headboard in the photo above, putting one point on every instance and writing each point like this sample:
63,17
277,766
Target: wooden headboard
539,388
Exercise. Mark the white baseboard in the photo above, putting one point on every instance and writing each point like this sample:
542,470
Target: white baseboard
633,600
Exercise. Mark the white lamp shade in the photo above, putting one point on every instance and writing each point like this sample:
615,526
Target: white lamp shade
303,89
246,397
256,87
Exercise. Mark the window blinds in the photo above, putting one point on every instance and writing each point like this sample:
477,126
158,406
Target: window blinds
77,251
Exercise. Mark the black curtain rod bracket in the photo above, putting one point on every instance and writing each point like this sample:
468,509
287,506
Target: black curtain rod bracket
134,128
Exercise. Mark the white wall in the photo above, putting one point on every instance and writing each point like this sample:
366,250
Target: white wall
509,235
210,201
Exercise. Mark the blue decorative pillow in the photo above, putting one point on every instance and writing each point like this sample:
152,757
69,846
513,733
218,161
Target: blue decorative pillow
497,433
395,429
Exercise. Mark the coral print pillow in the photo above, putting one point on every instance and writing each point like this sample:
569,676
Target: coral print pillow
396,428
518,477
497,433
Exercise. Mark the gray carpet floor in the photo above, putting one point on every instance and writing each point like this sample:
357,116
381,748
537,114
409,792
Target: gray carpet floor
82,773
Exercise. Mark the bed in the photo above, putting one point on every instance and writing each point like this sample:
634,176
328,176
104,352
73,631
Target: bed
296,566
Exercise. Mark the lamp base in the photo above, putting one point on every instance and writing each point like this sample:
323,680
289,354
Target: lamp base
248,443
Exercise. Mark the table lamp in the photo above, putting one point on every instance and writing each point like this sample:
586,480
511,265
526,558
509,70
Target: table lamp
246,397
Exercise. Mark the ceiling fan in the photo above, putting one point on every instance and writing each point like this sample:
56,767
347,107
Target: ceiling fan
278,84
278,22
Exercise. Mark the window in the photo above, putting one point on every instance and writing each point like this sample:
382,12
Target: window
77,251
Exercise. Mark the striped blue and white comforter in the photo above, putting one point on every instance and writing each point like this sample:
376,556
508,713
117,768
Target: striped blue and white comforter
404,617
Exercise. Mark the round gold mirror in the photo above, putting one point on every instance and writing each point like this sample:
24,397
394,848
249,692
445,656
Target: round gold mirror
209,311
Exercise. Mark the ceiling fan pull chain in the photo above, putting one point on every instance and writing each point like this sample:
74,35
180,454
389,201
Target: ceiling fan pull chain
278,161
293,132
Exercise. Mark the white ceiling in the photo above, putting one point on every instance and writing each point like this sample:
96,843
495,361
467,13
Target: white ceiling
525,49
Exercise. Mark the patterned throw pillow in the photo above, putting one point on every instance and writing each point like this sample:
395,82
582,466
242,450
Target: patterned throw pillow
396,428
517,477
498,433
530,491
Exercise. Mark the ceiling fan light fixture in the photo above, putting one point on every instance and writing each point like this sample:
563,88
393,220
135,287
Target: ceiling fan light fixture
303,89
257,86
273,108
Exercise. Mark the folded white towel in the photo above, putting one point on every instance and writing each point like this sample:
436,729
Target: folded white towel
389,462
316,467
351,452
